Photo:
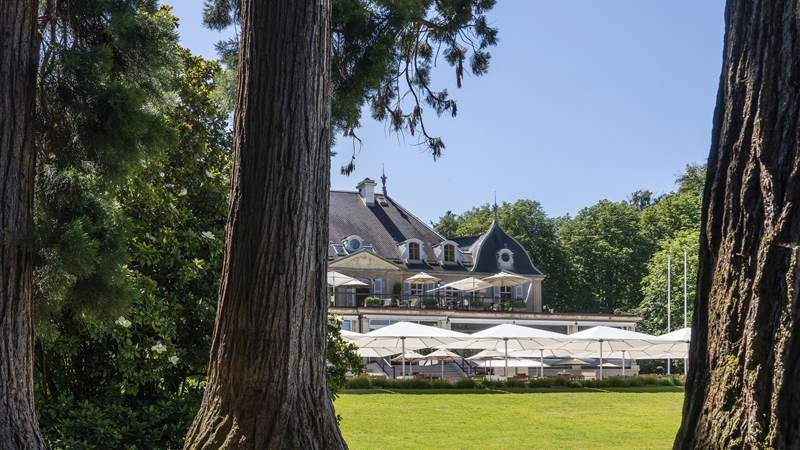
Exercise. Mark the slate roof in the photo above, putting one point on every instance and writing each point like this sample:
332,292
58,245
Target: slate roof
386,224
495,239
383,225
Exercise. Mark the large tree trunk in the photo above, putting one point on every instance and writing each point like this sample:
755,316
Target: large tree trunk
19,428
743,388
267,375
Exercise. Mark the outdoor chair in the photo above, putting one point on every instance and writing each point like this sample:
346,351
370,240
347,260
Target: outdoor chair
387,302
413,303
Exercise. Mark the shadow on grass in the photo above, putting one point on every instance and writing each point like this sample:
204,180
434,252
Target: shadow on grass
522,390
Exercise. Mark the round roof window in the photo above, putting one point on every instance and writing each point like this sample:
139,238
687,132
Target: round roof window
505,257
353,243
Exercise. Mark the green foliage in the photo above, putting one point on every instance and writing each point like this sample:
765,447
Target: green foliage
608,253
140,377
676,211
364,382
342,359
653,307
105,69
384,54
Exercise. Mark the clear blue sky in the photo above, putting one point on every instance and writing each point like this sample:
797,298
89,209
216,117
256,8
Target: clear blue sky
584,100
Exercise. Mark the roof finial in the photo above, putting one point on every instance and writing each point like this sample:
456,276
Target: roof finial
494,208
383,179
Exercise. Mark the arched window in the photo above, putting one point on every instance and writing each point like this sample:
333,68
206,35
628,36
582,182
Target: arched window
449,253
413,250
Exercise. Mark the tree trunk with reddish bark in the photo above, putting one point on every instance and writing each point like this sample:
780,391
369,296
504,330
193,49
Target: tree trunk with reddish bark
743,388
267,374
19,428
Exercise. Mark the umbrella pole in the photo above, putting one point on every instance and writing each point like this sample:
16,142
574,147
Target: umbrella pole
623,363
505,370
541,363
403,357
601,360
441,362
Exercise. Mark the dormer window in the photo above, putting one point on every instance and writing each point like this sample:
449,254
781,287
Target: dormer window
449,253
353,243
505,259
413,251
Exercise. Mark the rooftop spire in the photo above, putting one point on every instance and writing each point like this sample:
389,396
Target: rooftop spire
494,207
383,179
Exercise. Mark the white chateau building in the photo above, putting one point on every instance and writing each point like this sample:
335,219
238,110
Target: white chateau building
377,241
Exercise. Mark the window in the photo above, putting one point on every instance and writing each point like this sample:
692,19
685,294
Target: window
449,253
505,292
346,325
505,259
413,250
417,290
353,243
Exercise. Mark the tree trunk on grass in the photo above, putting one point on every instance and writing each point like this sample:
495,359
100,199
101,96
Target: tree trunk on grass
743,388
267,374
19,428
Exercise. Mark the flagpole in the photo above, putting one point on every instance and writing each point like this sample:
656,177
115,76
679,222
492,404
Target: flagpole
669,305
685,291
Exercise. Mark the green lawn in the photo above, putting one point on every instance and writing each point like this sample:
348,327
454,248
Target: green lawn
547,420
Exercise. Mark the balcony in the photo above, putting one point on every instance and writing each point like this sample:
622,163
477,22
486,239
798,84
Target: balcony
432,302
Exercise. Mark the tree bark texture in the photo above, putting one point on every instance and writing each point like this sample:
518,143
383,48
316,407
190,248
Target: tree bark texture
743,388
19,428
267,374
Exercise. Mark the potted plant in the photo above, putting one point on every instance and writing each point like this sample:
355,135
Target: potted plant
372,301
397,290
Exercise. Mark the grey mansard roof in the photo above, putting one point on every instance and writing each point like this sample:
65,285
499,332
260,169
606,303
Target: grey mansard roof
386,224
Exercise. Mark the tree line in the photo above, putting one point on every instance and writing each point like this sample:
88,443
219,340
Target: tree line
611,257
113,147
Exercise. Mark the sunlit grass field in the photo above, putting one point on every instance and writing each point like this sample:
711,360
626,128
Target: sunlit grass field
574,419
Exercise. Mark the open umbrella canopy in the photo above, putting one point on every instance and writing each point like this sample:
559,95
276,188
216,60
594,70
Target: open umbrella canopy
506,279
515,362
442,355
409,335
376,352
408,356
467,285
612,339
682,335
351,336
487,355
572,362
422,278
515,336
337,279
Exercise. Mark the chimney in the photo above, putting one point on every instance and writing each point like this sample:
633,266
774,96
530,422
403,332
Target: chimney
366,189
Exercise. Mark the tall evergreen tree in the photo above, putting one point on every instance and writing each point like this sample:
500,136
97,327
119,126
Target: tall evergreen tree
18,63
744,370
266,379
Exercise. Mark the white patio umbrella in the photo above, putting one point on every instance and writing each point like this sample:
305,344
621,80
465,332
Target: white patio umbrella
336,279
517,362
506,279
593,340
422,278
409,356
442,355
470,284
408,335
376,352
487,355
514,337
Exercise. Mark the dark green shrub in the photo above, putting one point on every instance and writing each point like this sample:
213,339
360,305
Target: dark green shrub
359,383
465,383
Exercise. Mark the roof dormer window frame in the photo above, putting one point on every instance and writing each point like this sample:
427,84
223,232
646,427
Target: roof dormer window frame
505,258
353,243
405,250
440,250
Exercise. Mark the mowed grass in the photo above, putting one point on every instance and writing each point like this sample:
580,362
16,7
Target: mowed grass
574,419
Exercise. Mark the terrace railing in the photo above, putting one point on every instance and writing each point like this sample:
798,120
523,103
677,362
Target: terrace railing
465,303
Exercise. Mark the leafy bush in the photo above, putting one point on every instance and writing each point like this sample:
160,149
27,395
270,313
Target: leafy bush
361,382
465,383
373,301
